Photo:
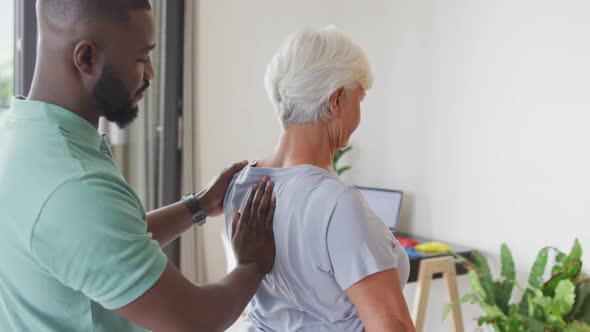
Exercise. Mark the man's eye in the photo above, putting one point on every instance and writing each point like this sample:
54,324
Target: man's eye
144,60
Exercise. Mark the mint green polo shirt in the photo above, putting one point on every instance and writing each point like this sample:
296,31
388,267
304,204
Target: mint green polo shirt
73,235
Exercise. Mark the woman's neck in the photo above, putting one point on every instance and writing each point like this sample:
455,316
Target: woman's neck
302,144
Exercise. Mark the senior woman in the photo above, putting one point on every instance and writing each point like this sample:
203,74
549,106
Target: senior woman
337,266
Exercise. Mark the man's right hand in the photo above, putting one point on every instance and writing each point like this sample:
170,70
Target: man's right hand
252,232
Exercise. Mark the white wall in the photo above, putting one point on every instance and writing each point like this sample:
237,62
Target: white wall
236,40
479,113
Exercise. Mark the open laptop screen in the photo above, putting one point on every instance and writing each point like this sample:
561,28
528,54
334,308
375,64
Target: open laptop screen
385,203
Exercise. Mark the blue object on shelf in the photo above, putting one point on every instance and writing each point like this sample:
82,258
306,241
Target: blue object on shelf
412,253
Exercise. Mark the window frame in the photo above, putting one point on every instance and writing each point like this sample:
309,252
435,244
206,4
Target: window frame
171,138
25,53
25,45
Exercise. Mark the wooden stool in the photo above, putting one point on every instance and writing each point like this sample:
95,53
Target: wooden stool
428,267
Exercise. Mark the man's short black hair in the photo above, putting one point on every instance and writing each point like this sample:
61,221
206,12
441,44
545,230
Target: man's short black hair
91,9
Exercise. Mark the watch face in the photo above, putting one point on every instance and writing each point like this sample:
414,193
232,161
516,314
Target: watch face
200,217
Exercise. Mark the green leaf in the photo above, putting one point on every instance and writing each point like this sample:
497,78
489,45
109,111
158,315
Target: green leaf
532,302
492,310
447,310
476,285
485,276
346,149
508,268
564,297
463,261
526,304
464,299
575,253
563,268
503,289
338,154
550,310
577,327
569,272
339,171
513,310
515,323
535,325
584,313
555,322
535,280
581,309
487,320
538,270
559,259
512,321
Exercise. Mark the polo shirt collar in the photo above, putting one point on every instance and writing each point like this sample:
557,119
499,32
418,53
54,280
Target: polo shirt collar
69,121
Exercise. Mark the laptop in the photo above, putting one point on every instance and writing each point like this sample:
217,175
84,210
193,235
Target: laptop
386,204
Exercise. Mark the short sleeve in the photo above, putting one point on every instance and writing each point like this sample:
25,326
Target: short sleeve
359,243
91,235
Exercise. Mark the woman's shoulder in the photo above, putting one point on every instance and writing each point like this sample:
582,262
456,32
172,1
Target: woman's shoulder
316,184
322,183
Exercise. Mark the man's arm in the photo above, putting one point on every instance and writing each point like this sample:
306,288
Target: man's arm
175,304
169,222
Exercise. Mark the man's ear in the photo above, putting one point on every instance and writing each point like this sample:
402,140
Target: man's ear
86,58
335,102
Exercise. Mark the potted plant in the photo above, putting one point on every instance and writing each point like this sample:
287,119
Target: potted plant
561,303
336,158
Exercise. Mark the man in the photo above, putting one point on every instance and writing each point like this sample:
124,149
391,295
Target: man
78,252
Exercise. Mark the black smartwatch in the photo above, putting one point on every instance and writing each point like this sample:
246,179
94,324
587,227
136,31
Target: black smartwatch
198,214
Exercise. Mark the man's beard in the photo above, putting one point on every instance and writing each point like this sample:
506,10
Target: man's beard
112,98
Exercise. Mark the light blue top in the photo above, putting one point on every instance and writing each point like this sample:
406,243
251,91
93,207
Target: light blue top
327,239
74,244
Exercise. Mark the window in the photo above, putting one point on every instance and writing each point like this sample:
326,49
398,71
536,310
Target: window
141,149
6,54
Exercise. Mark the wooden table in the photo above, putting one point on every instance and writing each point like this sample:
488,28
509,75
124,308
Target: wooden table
415,261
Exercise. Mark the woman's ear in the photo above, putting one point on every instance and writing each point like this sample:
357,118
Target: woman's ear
335,102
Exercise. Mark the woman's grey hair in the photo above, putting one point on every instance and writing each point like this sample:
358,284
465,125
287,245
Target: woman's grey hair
308,67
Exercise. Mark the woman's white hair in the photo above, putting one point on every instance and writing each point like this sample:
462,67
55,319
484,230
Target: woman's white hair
308,67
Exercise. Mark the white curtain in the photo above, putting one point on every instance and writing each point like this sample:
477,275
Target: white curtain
136,148
192,249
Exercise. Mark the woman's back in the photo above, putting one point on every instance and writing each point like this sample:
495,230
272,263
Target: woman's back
327,239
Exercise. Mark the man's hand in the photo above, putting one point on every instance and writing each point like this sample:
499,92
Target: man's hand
169,305
252,232
211,198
